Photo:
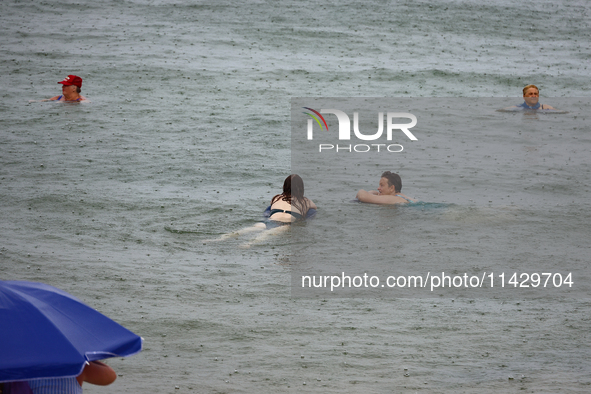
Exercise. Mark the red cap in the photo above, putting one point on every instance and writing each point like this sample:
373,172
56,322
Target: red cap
72,80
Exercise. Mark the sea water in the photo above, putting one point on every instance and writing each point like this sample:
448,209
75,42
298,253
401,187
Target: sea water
188,136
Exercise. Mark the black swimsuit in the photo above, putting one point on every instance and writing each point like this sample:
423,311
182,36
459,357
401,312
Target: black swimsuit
294,214
270,223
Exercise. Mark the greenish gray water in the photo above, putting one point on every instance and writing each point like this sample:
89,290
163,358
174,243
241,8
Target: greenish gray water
188,137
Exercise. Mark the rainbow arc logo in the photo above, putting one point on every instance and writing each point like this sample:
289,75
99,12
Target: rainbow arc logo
316,117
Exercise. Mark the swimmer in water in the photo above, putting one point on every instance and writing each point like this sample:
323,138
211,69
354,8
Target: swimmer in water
285,208
290,205
71,88
531,97
388,191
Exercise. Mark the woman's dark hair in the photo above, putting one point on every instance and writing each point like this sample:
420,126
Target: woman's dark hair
293,193
393,180
78,90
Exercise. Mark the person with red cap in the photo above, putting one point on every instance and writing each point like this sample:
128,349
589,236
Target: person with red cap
71,87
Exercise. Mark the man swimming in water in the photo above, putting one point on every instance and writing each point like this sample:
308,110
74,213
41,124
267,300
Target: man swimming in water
388,191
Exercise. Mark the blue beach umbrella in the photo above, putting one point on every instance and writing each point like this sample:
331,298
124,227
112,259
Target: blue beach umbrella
46,332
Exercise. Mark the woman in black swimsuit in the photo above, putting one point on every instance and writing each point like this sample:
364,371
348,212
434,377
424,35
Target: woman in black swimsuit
291,204
285,208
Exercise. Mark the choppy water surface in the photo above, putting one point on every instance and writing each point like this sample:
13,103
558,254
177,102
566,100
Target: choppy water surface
498,191
188,137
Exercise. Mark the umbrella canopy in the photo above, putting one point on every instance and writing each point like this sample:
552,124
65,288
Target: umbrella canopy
46,332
